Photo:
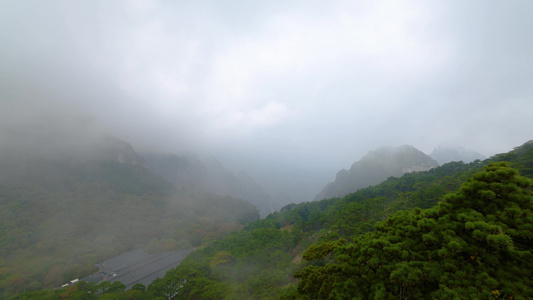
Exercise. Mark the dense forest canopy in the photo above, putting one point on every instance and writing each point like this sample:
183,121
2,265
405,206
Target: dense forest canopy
475,244
236,115
329,223
458,230
59,218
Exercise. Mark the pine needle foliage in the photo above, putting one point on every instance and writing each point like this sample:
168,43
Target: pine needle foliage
475,244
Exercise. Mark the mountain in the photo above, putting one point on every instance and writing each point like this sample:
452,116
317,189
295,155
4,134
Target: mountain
191,175
375,167
391,221
481,231
399,226
114,149
444,154
61,214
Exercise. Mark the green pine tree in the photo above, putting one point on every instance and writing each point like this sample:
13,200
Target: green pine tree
476,244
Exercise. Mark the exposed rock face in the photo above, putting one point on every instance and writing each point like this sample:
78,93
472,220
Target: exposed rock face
117,150
191,175
444,155
376,167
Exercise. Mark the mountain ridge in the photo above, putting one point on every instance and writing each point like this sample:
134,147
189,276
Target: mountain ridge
193,175
60,215
376,166
446,154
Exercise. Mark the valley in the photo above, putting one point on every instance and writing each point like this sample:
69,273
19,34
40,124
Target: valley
266,150
238,255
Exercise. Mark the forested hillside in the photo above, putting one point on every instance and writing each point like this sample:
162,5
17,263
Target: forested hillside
266,149
375,167
416,235
60,217
475,244
260,260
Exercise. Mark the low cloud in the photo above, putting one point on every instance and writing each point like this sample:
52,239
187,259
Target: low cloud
314,84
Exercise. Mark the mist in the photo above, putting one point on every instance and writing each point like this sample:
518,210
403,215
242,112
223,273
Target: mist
279,90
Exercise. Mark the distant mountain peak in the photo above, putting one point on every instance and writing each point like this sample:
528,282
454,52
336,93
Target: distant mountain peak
192,175
114,149
375,167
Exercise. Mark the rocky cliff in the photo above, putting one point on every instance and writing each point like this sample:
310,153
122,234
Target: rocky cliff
375,167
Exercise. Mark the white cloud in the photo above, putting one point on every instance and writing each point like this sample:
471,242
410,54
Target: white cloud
346,73
241,123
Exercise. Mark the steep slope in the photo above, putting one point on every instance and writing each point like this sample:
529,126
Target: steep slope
258,262
191,175
61,215
443,154
375,167
476,244
114,149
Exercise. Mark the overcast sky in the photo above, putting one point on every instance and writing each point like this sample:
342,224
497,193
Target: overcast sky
316,83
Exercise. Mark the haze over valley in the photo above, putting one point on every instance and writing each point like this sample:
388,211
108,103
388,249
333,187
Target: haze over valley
248,134
271,88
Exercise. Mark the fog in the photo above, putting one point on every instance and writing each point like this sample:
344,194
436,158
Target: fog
273,88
